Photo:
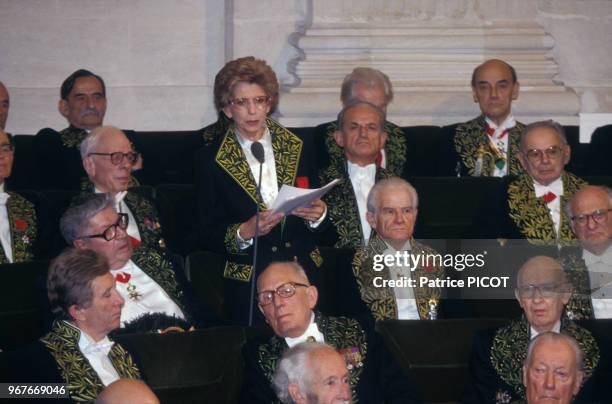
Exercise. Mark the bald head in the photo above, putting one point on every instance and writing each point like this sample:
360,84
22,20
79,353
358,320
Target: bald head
127,391
540,268
4,105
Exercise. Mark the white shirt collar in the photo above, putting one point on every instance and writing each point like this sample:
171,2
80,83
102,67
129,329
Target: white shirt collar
508,123
590,258
556,187
245,143
354,169
311,331
390,249
556,328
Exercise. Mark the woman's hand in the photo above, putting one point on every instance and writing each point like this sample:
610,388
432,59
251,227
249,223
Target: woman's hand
267,221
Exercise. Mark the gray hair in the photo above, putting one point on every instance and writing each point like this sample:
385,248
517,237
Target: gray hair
76,219
91,140
569,207
382,117
370,78
393,183
556,337
293,368
550,124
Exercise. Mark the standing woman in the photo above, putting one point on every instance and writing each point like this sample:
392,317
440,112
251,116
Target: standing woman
246,91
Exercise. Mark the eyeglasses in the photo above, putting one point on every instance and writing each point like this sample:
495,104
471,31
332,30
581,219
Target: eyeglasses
243,103
117,157
536,155
285,291
7,147
546,290
600,216
111,231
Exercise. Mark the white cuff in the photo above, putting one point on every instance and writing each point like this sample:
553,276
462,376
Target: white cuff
315,224
242,243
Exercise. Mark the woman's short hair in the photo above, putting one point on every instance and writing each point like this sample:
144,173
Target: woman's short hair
69,280
248,70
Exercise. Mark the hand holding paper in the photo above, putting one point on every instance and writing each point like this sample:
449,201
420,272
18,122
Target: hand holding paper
290,198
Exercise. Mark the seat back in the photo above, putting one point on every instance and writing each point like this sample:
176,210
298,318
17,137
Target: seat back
433,351
178,213
205,271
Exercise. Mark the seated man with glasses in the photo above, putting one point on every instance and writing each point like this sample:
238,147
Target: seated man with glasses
498,355
156,293
287,300
17,214
532,206
590,266
108,159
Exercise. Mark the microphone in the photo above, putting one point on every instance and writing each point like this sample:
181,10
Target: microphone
258,152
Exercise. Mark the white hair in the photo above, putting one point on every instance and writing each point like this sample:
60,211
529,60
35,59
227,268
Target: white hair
393,183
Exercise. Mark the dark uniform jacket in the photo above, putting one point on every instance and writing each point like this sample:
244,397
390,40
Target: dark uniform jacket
23,228
374,375
227,197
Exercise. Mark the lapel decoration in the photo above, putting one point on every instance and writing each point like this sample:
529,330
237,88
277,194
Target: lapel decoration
22,224
161,271
381,301
345,334
83,383
531,214
72,137
509,351
580,306
232,160
147,220
473,146
395,148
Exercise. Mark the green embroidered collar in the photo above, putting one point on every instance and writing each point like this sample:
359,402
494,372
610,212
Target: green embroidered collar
22,226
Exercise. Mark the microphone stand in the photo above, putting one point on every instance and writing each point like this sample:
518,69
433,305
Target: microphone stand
255,239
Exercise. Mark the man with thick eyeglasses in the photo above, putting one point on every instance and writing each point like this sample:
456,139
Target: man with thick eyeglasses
532,205
18,224
542,291
83,104
485,146
108,159
590,267
156,293
287,300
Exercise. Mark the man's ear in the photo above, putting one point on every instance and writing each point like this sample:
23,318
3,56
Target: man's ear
383,139
518,297
339,138
76,313
371,218
523,160
89,166
313,296
567,154
80,244
524,375
474,95
578,382
515,90
62,107
296,395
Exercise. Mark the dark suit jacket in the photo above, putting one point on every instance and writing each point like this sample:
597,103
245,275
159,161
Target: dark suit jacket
516,213
378,380
498,356
226,192
460,144
23,227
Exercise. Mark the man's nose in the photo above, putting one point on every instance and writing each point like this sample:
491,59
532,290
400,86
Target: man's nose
345,393
549,381
590,223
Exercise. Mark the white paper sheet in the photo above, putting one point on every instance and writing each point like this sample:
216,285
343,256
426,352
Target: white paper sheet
290,198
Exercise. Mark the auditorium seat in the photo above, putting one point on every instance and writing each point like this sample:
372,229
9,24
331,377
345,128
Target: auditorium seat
599,161
178,213
422,149
52,205
22,315
202,365
599,180
168,157
205,271
448,205
435,354
23,175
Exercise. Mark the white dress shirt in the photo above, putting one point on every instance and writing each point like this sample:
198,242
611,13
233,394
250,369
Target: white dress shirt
121,207
5,228
152,299
311,331
404,297
362,179
600,278
556,328
554,207
96,354
501,142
